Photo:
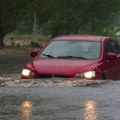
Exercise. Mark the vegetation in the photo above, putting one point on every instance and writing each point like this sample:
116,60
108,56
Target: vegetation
24,40
56,17
11,12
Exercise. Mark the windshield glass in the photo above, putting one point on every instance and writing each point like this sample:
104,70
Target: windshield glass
72,49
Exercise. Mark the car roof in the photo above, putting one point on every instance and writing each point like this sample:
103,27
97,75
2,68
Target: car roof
81,37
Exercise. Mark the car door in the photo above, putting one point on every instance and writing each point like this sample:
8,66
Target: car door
112,66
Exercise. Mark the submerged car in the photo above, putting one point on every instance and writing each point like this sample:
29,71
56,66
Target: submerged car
76,56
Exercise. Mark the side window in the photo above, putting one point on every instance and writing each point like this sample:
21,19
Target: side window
112,46
116,47
108,47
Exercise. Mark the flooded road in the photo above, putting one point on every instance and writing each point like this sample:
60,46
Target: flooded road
101,102
57,99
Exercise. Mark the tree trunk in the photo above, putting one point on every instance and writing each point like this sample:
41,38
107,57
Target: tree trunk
1,41
35,34
1,36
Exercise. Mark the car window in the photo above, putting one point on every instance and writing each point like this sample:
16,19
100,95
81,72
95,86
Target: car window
116,47
73,49
112,47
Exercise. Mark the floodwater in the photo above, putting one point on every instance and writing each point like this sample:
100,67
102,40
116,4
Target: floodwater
53,99
101,102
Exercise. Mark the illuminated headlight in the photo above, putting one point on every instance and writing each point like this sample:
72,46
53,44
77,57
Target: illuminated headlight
26,72
89,74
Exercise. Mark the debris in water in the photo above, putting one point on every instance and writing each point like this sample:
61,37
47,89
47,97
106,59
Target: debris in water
54,82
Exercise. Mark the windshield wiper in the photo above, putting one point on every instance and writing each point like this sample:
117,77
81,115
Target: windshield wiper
72,57
50,56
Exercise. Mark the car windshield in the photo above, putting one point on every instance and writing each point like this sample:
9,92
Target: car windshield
72,49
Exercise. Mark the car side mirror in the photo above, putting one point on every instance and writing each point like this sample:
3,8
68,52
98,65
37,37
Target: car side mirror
111,56
33,53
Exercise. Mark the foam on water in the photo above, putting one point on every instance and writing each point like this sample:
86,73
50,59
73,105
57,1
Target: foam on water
53,82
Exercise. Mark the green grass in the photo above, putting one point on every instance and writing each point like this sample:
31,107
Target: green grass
18,36
26,36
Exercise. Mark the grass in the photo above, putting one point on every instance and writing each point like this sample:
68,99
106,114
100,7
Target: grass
26,36
24,40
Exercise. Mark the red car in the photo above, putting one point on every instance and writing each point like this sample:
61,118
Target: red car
76,56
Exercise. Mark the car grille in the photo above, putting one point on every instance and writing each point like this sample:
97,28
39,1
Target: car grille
51,76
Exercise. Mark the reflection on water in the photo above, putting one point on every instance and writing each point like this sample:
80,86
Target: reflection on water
26,109
90,110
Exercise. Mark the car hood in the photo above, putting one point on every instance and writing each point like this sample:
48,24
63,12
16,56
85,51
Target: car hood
63,66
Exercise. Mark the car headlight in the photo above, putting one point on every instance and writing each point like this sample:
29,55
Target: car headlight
88,75
26,72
